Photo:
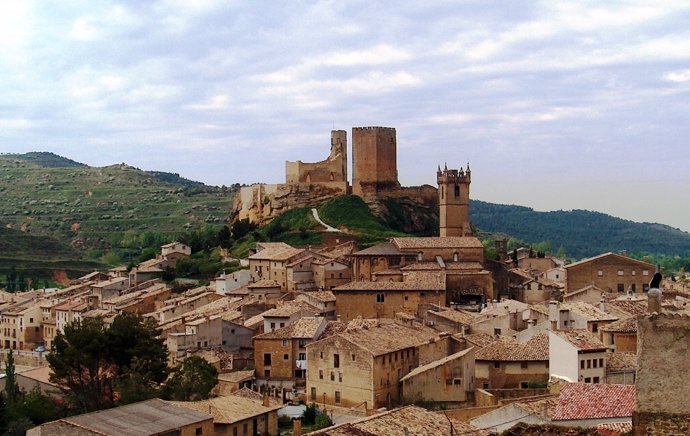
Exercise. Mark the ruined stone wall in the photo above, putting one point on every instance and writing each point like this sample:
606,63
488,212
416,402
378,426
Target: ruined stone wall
374,160
333,169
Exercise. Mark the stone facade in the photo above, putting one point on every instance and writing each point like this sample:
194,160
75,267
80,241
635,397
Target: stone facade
662,375
610,272
333,169
454,201
374,161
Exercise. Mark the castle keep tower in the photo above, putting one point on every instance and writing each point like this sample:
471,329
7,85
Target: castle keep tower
454,201
374,165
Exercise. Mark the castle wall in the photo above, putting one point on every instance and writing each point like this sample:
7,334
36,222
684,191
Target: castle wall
374,160
333,169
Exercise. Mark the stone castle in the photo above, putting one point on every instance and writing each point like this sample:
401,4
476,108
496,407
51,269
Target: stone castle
374,176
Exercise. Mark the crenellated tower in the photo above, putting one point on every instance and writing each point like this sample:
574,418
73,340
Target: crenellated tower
454,201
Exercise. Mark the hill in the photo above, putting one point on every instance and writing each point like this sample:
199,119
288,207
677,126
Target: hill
581,233
103,210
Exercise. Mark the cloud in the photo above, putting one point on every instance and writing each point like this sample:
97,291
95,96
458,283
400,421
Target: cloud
678,76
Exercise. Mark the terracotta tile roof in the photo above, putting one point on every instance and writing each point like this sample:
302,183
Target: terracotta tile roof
256,396
308,327
324,296
616,427
333,328
535,349
457,266
460,316
621,362
544,407
264,284
587,311
503,307
626,325
410,420
237,376
585,289
227,409
382,249
593,401
416,282
581,339
422,266
412,243
385,336
435,364
286,309
279,253
479,340
629,307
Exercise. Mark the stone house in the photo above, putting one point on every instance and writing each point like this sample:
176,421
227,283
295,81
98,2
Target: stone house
577,355
280,356
329,273
234,415
366,362
621,368
264,290
323,301
21,326
578,315
110,288
385,299
446,319
270,261
611,272
508,364
447,380
621,335
285,313
175,247
229,282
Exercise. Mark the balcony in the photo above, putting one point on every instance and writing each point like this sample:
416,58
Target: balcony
301,364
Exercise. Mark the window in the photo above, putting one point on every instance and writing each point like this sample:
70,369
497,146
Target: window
336,361
645,288
321,374
313,394
267,372
302,356
332,376
353,357
589,364
273,326
380,298
285,357
340,377
595,327
337,397
582,364
282,324
523,365
632,287
524,385
456,257
485,385
645,273
321,355
632,272
620,272
588,380
302,343
621,287
267,359
497,332
285,342
600,273
199,431
497,364
601,363
31,320
594,363
420,256
457,190
596,380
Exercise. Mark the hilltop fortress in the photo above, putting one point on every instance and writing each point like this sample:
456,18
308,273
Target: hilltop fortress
374,176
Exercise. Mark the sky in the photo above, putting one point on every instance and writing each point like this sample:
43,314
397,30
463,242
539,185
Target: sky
555,104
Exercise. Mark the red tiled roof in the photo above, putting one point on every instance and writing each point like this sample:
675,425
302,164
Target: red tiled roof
594,401
536,349
582,339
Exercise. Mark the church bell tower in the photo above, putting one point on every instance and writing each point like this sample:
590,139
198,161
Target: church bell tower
454,201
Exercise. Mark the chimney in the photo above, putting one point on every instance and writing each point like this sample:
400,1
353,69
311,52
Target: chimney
530,324
296,427
602,304
553,314
266,401
654,300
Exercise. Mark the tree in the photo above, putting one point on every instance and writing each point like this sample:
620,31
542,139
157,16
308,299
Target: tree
11,388
191,381
90,360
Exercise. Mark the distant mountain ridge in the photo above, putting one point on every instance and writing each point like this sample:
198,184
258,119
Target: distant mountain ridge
582,233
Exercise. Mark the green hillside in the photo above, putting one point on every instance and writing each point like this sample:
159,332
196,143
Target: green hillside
103,212
581,233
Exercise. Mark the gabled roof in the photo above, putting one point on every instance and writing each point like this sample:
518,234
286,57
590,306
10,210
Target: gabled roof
384,336
608,254
581,339
587,311
228,409
412,282
382,249
435,364
277,253
308,327
621,362
459,316
411,243
625,325
595,401
410,420
509,350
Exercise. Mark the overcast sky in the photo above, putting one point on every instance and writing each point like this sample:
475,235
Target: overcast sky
555,104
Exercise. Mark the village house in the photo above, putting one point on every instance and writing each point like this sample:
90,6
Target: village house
229,282
329,273
285,313
449,380
577,405
132,419
110,288
233,415
366,362
445,319
577,356
263,290
621,335
508,364
323,301
280,356
611,272
230,382
270,260
578,315
21,326
621,368
174,250
385,299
